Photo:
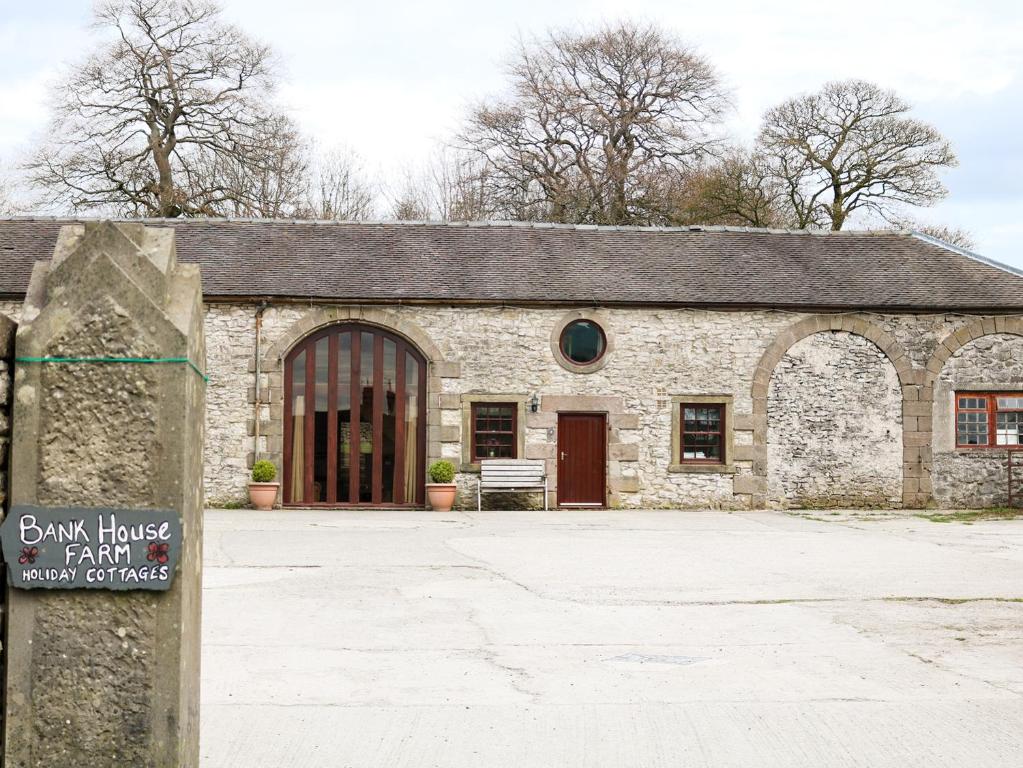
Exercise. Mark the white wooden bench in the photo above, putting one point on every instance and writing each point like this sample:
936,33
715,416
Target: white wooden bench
512,476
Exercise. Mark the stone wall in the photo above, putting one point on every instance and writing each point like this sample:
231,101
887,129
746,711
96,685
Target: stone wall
834,425
658,354
230,350
968,477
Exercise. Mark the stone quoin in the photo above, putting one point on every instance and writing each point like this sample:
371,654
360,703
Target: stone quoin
734,368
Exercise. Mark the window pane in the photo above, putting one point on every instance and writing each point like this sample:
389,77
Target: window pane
705,447
344,415
321,364
972,433
582,341
1008,426
298,397
702,432
390,426
411,468
1010,403
365,447
494,430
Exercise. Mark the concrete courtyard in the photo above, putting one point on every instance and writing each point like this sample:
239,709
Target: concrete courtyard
610,640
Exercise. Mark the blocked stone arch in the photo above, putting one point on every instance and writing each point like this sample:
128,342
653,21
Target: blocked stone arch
984,326
316,318
916,486
969,478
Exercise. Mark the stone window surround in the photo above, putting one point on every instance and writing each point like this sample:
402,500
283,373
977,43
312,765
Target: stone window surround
593,315
467,400
728,441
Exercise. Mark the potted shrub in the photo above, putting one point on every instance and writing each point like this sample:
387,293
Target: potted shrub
441,492
263,489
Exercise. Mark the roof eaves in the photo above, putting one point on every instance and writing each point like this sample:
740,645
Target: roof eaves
966,252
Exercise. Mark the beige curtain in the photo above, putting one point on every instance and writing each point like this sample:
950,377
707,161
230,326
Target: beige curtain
298,450
411,448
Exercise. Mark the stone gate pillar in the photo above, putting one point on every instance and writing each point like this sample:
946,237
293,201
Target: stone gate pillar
104,606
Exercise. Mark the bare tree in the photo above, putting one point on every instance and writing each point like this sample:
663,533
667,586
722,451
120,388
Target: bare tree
339,188
597,125
7,205
960,238
738,190
141,123
850,147
452,186
270,181
10,204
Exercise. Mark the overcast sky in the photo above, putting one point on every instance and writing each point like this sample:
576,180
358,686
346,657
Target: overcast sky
392,78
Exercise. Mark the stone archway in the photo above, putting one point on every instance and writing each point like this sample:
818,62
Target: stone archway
982,356
272,373
916,485
354,419
986,326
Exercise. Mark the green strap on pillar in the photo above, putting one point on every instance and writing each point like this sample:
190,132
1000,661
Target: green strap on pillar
117,361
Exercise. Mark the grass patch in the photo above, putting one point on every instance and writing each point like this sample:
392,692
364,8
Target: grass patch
231,504
973,515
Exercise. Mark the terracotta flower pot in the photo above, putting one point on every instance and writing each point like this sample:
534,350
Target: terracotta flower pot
441,496
263,495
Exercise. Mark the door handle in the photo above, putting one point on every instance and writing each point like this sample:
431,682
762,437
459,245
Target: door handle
563,454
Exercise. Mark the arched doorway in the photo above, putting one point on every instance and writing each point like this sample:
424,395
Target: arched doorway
354,419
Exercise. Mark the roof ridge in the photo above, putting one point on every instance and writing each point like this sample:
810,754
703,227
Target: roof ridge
714,228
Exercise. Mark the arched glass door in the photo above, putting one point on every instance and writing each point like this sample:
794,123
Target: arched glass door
354,419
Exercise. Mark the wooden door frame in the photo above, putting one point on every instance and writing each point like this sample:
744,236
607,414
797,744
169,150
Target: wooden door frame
603,475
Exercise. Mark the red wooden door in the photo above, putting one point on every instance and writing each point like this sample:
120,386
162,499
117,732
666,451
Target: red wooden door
582,458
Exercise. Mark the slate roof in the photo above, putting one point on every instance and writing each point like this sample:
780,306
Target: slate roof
500,262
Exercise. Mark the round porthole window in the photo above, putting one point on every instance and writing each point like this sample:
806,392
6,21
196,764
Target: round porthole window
583,342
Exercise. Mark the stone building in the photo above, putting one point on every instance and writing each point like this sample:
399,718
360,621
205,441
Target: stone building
702,366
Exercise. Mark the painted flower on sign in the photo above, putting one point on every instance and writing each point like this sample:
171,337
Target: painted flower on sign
158,552
28,555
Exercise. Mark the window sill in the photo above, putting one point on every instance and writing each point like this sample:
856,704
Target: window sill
473,468
714,469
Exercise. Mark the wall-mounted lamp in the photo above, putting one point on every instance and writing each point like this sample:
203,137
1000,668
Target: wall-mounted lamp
534,404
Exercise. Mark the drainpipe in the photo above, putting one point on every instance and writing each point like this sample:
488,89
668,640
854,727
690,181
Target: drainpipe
263,305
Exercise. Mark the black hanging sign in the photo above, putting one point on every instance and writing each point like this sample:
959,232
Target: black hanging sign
90,548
